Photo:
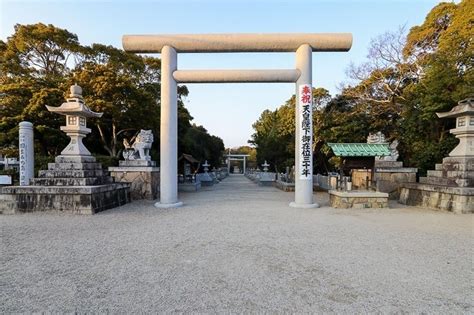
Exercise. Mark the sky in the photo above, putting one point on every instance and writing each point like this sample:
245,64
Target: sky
228,110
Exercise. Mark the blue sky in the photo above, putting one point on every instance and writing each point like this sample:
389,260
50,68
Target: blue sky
229,110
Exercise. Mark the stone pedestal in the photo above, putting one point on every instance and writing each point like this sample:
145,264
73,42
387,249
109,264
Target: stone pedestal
189,187
284,185
214,177
358,199
389,175
143,176
75,184
205,179
266,179
449,187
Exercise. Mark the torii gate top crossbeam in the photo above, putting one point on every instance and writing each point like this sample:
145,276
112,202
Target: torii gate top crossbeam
206,43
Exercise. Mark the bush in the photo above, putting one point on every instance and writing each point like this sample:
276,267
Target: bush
41,162
107,161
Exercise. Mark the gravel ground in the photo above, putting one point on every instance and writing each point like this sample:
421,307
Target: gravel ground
237,247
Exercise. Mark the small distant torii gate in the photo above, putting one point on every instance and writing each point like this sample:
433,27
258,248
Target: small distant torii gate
170,45
237,157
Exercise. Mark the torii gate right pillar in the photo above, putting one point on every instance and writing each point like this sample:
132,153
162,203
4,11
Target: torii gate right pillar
304,131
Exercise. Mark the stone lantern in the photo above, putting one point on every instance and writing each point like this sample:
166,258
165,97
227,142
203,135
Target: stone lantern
76,112
75,182
265,166
464,131
450,186
206,166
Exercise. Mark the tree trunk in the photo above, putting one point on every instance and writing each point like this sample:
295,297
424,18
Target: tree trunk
103,140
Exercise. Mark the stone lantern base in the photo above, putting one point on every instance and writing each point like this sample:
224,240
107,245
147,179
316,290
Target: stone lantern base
74,184
143,176
449,187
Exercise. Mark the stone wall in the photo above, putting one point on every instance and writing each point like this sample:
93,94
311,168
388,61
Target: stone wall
144,181
390,181
284,185
455,199
80,200
357,199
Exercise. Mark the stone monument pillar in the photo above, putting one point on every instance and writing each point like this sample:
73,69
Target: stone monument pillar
27,155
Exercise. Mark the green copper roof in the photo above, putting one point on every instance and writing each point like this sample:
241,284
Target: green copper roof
360,149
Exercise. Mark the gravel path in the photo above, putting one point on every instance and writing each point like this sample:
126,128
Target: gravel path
237,247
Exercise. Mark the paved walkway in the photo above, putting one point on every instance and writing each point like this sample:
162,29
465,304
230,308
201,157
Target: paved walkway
237,247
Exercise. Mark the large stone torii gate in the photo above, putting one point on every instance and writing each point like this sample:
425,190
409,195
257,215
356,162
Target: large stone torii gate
170,45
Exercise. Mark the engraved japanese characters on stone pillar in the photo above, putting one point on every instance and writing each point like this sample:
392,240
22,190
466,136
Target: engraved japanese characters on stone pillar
26,152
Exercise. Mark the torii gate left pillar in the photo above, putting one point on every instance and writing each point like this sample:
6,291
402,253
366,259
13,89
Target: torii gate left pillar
302,44
169,131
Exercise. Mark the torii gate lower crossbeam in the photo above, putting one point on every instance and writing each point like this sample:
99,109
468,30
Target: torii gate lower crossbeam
303,44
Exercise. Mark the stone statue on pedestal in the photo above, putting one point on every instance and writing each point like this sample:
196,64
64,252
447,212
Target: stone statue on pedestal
379,137
140,148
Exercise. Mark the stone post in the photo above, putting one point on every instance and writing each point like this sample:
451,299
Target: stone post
303,183
27,155
168,131
245,165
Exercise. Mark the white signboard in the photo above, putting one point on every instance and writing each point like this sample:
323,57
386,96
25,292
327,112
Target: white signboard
305,107
5,180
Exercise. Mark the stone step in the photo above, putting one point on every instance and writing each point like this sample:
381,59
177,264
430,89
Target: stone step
88,181
451,174
438,181
388,164
70,173
436,173
125,163
74,159
458,164
438,167
74,166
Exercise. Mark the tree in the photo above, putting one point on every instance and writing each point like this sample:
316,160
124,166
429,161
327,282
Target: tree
38,64
40,51
203,146
33,62
274,137
443,46
407,79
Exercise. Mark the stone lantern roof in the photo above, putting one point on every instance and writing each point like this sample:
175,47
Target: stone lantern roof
464,107
75,105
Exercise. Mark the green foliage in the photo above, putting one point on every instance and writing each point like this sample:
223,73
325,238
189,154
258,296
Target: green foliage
275,132
41,162
38,64
203,146
107,160
406,80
